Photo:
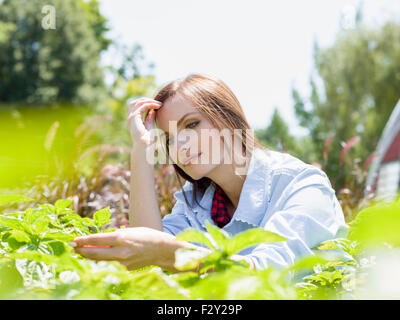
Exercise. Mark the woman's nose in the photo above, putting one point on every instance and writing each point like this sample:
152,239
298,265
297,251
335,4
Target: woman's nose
183,141
183,152
178,149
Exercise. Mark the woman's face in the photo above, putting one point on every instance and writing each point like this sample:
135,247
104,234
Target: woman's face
190,135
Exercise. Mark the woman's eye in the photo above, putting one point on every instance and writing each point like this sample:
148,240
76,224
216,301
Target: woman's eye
192,124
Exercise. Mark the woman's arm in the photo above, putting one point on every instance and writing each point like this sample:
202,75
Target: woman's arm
136,248
132,247
305,211
143,206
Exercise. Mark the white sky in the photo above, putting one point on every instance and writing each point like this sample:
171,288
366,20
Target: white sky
258,48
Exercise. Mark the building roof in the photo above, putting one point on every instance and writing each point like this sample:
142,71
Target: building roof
393,153
388,148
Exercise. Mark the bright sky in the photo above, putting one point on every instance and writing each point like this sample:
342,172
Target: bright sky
258,48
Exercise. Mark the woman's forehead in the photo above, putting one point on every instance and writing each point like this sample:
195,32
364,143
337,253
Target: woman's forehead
173,109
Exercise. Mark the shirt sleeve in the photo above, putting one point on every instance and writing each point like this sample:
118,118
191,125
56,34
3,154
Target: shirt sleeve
305,211
176,221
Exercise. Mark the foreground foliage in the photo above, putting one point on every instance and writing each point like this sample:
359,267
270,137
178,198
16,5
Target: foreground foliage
36,261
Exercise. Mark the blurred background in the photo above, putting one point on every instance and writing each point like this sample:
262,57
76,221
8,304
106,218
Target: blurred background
317,79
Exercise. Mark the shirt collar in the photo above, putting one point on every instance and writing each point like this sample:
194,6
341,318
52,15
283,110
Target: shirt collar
252,202
251,207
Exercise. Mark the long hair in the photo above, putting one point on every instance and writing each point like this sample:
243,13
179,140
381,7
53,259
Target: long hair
212,98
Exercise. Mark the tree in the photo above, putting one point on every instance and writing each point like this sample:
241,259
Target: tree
277,137
41,66
353,94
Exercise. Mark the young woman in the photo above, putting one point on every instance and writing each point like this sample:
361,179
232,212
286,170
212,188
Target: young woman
231,181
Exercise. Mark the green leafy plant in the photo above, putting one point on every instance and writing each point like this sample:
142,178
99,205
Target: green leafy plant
36,261
222,246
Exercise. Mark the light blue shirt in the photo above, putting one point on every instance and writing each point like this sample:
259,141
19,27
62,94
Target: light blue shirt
281,194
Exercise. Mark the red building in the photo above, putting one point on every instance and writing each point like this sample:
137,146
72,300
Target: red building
384,175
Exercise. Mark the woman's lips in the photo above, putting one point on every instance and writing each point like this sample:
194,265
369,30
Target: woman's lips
192,158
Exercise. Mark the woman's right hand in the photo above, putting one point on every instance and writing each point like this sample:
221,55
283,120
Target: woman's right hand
139,129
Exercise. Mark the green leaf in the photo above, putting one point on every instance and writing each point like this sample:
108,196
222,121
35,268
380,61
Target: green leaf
338,243
15,244
188,259
155,285
376,225
36,256
186,279
193,235
39,226
210,261
11,222
249,238
219,236
57,247
31,215
307,262
86,221
10,279
48,207
13,198
62,204
102,217
20,236
62,236
16,238
62,262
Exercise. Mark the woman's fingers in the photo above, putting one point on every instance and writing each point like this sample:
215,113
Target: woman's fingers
145,108
101,253
138,124
136,121
150,119
133,104
144,105
99,239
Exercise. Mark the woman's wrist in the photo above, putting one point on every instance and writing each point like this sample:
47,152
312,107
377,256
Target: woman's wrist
138,145
166,253
139,154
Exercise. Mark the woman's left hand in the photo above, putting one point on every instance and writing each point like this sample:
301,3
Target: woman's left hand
132,247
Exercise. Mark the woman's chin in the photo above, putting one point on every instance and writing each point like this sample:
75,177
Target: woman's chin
193,173
198,171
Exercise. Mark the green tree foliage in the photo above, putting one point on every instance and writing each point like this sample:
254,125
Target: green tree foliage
277,137
121,92
133,64
97,22
41,66
131,77
353,94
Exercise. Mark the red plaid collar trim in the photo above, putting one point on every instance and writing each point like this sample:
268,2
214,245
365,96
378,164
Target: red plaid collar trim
219,211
